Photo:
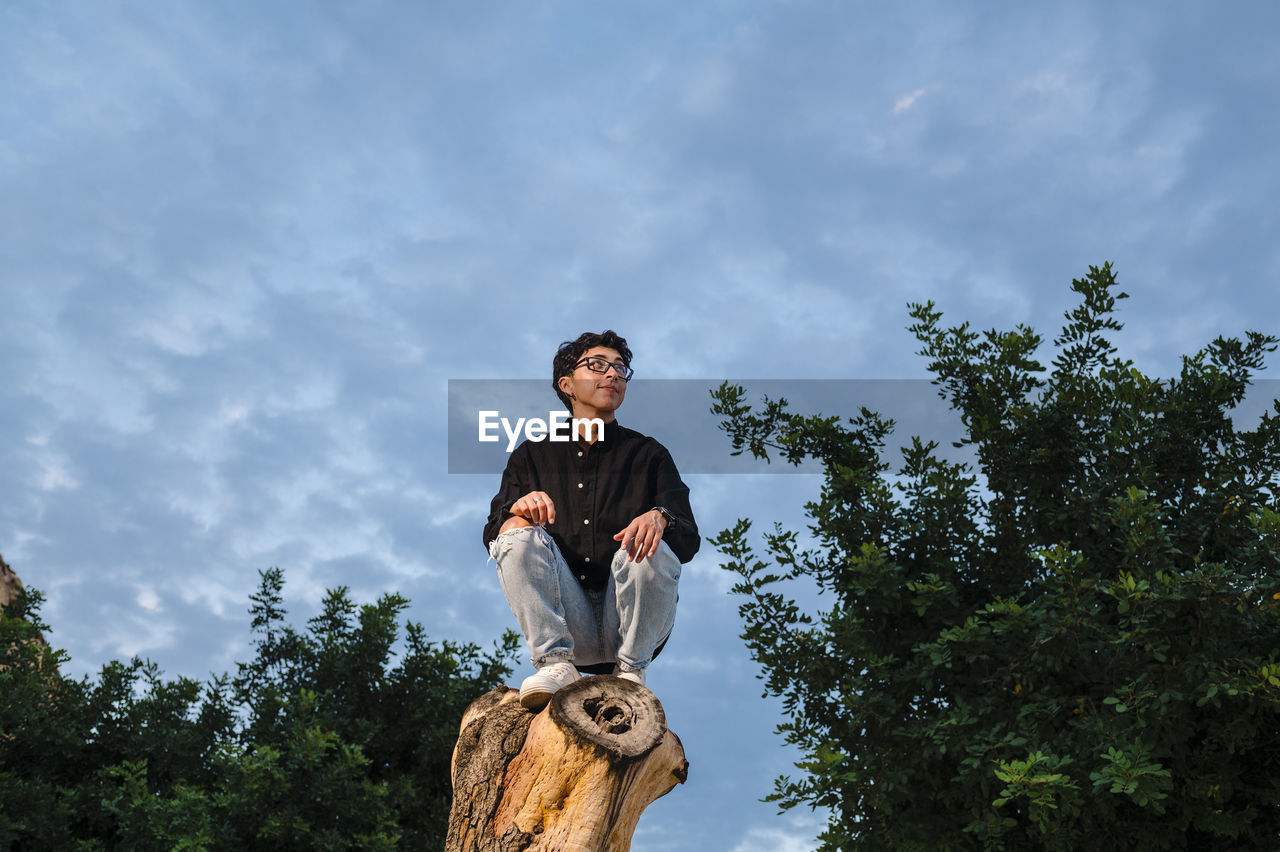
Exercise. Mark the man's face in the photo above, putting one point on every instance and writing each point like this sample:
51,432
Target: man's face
595,394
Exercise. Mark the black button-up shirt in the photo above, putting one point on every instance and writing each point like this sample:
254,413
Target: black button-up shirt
597,489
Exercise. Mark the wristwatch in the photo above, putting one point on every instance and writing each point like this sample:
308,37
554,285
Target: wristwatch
671,519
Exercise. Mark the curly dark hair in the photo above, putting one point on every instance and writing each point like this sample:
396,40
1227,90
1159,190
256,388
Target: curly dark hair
570,353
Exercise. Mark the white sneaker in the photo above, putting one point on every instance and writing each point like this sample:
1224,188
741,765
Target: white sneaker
636,676
537,689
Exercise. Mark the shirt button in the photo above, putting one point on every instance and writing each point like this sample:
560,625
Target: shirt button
579,453
579,484
587,559
582,576
585,521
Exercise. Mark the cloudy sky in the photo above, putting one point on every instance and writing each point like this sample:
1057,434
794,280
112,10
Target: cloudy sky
245,246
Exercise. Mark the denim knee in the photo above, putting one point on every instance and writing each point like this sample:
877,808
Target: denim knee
519,540
663,565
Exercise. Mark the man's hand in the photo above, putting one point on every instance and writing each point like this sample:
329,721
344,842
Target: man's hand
536,508
642,535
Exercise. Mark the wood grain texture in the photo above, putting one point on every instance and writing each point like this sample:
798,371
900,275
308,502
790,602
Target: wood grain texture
573,778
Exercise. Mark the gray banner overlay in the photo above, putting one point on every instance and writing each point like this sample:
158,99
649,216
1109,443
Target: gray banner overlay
678,413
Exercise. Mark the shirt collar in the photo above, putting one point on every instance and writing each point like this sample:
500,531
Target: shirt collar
612,432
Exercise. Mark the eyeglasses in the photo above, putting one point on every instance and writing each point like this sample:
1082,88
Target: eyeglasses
600,365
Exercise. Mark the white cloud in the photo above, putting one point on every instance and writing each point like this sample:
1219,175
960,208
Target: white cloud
139,634
148,599
210,594
708,89
797,836
1049,81
907,101
55,472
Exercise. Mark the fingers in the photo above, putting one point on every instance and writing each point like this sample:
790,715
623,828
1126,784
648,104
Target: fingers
641,538
537,507
652,533
628,538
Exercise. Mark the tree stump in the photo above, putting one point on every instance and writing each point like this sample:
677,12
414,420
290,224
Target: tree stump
10,585
573,778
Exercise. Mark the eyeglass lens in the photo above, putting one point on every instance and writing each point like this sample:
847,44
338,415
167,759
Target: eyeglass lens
600,365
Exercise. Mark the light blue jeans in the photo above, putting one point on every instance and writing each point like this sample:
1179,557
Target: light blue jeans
561,620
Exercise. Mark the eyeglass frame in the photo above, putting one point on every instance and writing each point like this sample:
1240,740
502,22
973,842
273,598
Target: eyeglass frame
623,371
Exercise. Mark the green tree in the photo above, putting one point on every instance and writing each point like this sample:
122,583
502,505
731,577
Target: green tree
338,736
1072,642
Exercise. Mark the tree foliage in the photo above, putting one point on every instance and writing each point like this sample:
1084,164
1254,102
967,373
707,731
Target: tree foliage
1072,642
338,736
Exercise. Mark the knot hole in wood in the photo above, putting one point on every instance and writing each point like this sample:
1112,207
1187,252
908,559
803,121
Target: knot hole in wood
611,715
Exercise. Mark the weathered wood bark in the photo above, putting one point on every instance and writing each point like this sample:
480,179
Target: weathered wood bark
9,583
10,588
572,778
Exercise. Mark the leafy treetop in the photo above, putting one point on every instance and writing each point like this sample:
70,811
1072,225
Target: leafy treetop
1071,642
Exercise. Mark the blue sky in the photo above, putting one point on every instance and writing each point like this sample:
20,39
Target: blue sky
245,246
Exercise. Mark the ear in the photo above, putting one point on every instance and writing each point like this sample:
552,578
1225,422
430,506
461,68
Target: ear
564,384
